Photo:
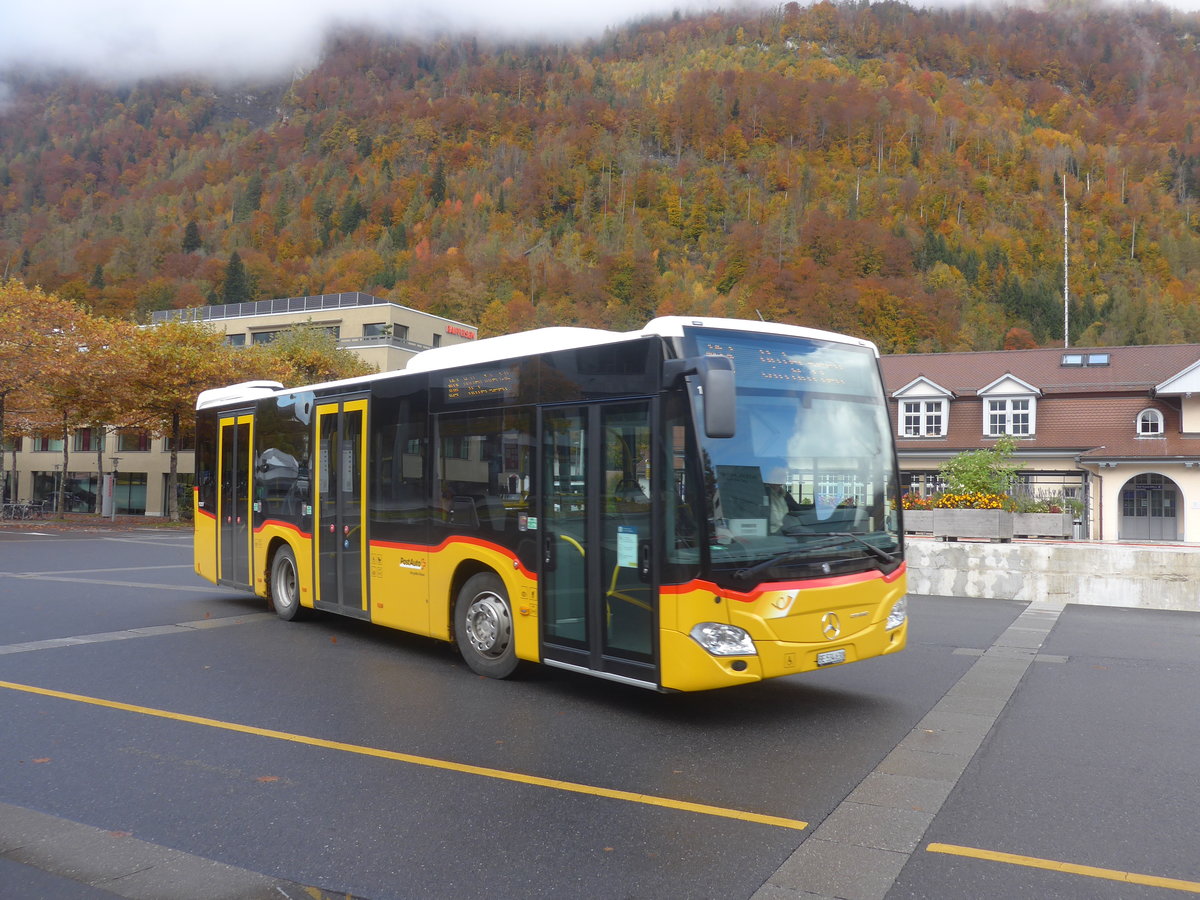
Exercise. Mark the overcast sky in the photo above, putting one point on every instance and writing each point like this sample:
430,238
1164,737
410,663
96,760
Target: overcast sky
126,39
130,38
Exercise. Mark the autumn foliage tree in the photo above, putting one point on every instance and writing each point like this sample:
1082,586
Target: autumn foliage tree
166,367
302,354
81,383
31,322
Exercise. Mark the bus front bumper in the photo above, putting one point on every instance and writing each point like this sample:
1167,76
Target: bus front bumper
692,668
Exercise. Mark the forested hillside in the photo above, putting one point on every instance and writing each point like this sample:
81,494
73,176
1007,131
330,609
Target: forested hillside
876,168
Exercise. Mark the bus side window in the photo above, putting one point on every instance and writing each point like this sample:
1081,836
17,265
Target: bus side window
483,476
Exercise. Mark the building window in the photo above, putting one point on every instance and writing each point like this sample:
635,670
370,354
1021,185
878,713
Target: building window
88,440
1150,423
130,440
44,443
263,337
456,446
129,493
1015,417
235,340
923,418
377,329
1085,359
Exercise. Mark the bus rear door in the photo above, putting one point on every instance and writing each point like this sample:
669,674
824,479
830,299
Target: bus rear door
234,538
598,596
340,513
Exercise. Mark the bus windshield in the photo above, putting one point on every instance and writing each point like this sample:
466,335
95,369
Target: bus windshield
808,485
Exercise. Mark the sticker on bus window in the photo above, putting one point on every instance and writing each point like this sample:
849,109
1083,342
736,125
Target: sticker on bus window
627,547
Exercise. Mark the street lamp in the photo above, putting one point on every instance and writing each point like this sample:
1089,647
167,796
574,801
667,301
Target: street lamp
113,511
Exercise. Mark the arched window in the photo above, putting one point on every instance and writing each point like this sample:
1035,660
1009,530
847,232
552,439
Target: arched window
1150,423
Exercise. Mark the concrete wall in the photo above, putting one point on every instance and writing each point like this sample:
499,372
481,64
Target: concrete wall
1094,574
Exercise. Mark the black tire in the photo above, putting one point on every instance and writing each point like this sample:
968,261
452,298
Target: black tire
483,626
285,584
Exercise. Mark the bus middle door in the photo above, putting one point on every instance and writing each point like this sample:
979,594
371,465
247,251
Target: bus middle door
340,514
598,593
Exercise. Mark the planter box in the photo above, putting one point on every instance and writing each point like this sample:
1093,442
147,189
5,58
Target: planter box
1056,525
981,524
918,520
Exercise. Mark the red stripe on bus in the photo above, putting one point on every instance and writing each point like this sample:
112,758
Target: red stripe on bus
285,525
457,539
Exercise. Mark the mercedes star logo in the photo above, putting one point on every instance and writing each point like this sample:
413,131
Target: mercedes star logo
831,626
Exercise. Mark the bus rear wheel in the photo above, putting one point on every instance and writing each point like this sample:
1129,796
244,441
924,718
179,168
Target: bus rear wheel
285,584
483,626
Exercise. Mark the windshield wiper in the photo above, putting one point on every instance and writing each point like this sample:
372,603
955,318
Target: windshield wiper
791,556
887,560
878,552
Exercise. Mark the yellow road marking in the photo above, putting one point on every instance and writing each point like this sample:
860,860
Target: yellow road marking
1033,862
429,762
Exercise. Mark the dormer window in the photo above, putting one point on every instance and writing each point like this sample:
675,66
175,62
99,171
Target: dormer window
1009,407
923,418
1013,417
923,409
1150,423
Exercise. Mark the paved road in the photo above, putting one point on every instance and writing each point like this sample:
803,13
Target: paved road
163,737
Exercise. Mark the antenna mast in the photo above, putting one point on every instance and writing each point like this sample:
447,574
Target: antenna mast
1066,272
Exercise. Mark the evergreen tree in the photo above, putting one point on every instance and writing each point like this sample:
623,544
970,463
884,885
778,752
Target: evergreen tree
98,277
237,281
437,187
191,238
248,201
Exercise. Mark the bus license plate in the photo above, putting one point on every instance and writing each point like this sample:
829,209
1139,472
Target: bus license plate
829,657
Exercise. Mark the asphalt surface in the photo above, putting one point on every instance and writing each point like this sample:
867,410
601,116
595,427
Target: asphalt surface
167,738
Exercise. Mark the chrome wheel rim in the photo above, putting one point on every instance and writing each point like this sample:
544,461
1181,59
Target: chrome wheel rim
489,625
285,584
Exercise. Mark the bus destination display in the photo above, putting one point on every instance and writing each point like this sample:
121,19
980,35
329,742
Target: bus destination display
783,366
498,383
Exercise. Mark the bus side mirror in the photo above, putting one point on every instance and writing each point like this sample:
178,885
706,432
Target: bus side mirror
716,386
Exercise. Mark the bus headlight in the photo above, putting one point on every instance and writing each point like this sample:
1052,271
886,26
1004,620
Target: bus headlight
898,614
723,640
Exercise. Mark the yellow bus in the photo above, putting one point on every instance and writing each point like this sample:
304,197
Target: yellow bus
700,503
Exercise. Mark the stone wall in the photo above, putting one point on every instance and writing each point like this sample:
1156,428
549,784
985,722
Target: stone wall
1094,574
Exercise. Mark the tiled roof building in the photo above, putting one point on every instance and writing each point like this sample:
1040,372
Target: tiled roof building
1115,427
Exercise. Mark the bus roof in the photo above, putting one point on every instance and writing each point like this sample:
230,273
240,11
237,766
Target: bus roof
526,343
511,346
247,390
673,326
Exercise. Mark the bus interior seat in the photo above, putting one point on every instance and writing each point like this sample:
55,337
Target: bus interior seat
483,511
463,512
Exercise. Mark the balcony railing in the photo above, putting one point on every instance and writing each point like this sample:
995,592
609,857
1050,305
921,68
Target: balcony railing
268,307
381,340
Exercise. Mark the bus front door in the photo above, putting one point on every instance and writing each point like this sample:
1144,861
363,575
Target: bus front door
234,535
340,516
598,599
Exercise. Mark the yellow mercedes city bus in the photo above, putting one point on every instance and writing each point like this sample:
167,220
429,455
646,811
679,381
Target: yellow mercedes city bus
697,504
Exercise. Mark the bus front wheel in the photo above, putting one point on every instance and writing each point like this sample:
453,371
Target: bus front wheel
285,584
483,626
